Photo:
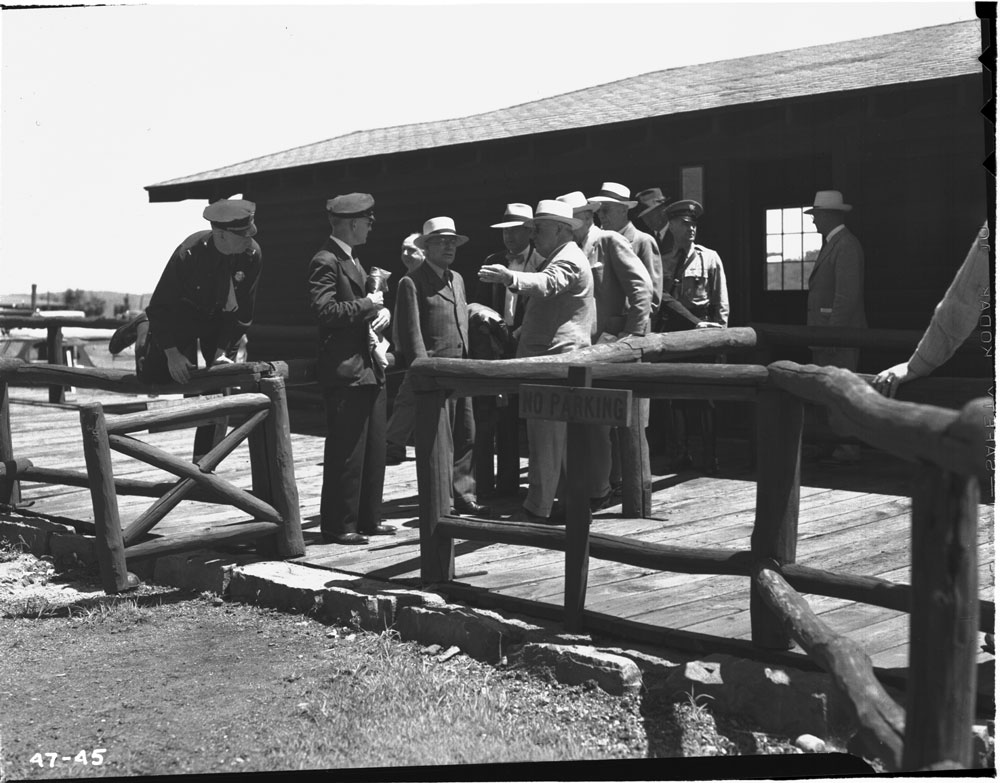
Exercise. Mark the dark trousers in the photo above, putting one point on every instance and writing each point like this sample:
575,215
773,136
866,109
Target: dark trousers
497,432
353,459
462,431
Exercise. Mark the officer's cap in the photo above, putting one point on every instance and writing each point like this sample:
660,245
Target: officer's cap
686,208
353,205
232,214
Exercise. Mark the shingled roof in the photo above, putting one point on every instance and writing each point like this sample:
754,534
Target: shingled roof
928,53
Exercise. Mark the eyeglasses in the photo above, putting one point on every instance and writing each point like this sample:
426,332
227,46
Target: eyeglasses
448,241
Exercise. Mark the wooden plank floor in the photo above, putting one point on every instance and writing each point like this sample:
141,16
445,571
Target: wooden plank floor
854,520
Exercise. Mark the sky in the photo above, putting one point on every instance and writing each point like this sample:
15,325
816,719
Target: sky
98,102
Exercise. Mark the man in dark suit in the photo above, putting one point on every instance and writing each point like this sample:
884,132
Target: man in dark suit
434,321
497,422
351,376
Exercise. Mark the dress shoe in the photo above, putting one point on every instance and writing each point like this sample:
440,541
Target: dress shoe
597,504
395,456
344,538
471,507
125,335
554,518
381,530
848,454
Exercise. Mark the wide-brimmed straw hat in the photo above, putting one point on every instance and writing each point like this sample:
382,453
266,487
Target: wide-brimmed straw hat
829,199
578,202
515,215
559,211
615,193
439,227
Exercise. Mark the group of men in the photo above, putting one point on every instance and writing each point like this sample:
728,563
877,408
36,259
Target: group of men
561,283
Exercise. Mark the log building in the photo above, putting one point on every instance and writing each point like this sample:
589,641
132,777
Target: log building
893,121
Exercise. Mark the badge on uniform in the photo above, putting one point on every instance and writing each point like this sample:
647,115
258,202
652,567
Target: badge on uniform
238,277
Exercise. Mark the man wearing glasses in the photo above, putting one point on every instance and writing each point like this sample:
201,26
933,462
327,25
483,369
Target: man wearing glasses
351,377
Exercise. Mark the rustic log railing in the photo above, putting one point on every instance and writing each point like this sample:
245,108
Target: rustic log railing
948,446
261,417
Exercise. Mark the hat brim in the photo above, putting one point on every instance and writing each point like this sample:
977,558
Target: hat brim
571,222
609,200
248,231
653,208
512,223
841,208
588,207
421,241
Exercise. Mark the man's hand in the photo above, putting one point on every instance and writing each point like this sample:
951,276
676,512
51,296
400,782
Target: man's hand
221,358
496,273
377,298
381,319
178,365
708,325
887,382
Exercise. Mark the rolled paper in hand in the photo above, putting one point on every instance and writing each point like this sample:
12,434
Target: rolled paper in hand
378,280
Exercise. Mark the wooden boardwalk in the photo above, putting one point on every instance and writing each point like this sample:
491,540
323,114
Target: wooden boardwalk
854,520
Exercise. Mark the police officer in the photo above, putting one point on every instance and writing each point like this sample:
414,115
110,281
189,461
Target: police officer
693,274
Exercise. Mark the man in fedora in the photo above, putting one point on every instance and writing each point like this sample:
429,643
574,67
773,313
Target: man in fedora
614,203
497,422
623,294
654,215
836,290
434,321
558,318
350,375
204,301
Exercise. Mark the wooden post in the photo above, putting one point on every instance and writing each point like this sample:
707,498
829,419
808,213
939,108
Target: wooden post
434,466
776,526
637,477
54,350
943,620
281,463
110,549
577,512
10,487
260,486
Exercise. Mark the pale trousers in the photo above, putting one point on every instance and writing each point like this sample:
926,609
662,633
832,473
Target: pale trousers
546,464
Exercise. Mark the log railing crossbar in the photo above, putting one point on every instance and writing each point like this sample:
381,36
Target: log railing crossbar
948,443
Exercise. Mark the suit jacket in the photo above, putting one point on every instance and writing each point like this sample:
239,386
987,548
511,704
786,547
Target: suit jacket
343,314
644,246
433,316
559,316
836,285
492,294
623,291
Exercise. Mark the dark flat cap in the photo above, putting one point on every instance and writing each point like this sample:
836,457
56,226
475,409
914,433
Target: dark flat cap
351,205
232,214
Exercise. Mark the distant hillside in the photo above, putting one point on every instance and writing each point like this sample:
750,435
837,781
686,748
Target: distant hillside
52,299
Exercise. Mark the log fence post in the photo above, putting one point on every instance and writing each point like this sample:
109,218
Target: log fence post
10,487
284,493
115,577
775,531
54,351
941,697
577,512
434,482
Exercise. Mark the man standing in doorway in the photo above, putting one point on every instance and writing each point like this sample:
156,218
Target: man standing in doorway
434,321
352,378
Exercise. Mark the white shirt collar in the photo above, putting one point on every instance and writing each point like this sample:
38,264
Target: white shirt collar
834,232
344,246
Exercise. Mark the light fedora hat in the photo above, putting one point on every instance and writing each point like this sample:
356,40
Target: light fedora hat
439,227
516,215
829,199
615,193
559,211
578,202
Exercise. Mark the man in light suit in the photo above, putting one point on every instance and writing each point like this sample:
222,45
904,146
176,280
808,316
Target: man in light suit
351,376
836,290
614,203
497,423
836,285
622,296
558,318
434,321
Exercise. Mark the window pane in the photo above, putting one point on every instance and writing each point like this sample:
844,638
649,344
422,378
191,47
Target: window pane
808,226
792,219
774,277
773,221
807,269
792,247
774,248
811,244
